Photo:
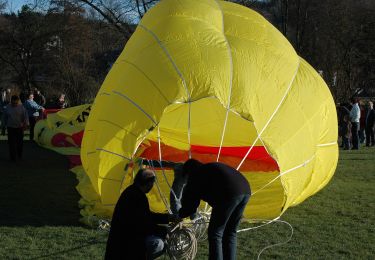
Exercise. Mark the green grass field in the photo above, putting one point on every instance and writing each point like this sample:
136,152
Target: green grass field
39,214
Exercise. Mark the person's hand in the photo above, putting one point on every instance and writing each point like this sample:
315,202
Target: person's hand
174,218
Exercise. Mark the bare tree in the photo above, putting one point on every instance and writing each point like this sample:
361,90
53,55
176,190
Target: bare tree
334,36
3,5
22,42
120,14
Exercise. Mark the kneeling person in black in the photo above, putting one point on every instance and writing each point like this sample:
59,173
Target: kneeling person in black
134,231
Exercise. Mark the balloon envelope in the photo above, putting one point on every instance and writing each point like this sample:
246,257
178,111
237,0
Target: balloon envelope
216,81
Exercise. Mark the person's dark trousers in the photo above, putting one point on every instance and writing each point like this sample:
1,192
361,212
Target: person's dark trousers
355,137
345,143
15,142
32,122
361,135
3,126
370,136
222,230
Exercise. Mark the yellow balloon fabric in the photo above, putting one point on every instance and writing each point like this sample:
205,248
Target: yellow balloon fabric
62,131
216,81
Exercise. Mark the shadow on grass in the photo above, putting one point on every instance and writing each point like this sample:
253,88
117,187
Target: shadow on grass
39,190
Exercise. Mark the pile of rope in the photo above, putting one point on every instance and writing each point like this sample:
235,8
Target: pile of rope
181,243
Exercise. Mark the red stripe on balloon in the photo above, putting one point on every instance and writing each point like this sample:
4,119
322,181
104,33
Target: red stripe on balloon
258,160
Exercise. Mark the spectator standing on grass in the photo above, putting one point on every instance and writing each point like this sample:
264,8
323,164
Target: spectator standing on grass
370,124
16,119
5,99
342,112
346,132
362,124
33,110
355,115
39,97
5,96
61,102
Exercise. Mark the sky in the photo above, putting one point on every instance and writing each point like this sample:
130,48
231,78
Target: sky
14,5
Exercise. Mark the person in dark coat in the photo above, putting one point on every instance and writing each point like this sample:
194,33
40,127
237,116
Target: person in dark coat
4,101
39,97
16,120
227,191
370,124
135,233
346,132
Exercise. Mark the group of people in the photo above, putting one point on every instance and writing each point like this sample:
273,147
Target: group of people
356,124
135,233
19,114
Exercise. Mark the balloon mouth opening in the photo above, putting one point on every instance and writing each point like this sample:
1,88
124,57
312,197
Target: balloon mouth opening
257,161
202,121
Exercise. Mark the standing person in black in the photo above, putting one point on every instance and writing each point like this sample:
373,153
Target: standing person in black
227,191
4,101
16,120
370,124
134,231
39,97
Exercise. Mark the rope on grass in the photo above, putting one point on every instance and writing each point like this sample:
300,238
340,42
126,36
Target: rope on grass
265,223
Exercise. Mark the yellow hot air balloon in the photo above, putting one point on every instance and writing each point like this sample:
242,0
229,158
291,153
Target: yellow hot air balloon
215,81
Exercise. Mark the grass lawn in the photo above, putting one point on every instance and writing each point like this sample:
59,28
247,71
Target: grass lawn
39,214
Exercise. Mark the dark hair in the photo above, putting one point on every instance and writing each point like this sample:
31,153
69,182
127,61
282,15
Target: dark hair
14,98
190,166
144,176
354,100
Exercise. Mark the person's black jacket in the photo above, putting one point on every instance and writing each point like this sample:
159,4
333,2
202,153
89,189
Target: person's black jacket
370,118
40,99
213,183
132,221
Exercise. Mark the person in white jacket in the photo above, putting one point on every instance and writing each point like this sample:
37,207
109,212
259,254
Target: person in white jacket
355,115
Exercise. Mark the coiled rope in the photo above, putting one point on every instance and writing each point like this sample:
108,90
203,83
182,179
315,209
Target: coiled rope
181,243
183,238
104,225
